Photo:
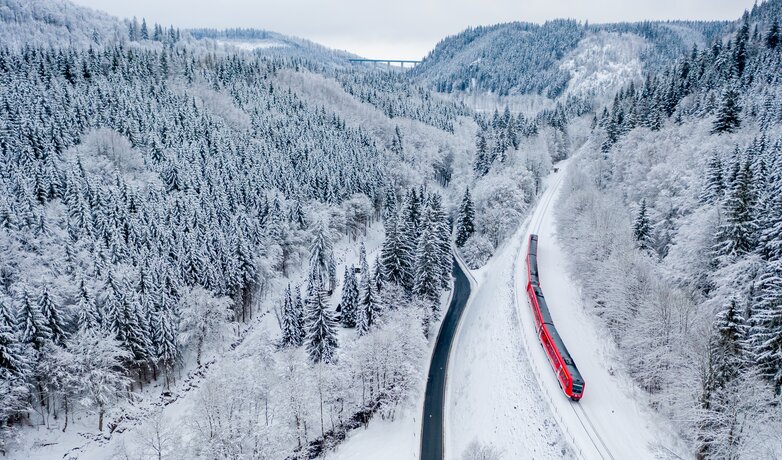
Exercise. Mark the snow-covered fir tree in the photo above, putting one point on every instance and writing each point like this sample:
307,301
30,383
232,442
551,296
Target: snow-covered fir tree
350,297
465,221
641,228
320,326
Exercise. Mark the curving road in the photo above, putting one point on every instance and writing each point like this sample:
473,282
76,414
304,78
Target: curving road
434,400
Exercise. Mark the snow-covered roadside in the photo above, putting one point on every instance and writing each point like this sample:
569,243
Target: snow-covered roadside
612,420
492,397
397,439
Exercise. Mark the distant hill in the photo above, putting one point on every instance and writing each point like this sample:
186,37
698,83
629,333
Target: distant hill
55,23
265,42
525,58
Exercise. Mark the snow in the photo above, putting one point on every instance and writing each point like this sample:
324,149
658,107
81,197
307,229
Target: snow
612,420
603,62
251,45
384,439
502,391
492,396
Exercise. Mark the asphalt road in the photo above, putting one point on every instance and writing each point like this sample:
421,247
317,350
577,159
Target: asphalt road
432,427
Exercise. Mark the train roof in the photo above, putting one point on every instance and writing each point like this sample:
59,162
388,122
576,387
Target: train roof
563,351
533,265
544,311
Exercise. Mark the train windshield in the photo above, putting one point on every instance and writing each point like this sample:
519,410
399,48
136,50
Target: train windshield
578,388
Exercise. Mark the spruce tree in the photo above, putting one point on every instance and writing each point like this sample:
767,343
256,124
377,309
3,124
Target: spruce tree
362,321
727,360
291,333
727,120
441,232
298,316
766,334
322,263
396,254
13,362
465,222
397,145
728,348
389,205
377,275
350,297
428,266
715,182
362,259
772,38
321,338
167,352
369,306
482,156
740,48
642,229
736,236
33,327
88,316
771,231
144,32
52,317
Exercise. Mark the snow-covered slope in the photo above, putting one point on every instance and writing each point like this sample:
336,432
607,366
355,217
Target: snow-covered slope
521,58
612,420
502,392
603,62
55,23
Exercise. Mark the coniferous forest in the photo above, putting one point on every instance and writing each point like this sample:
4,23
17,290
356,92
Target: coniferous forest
263,238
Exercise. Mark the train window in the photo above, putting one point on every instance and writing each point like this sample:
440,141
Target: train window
578,388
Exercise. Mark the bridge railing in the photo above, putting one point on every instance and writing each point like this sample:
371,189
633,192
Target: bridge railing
388,62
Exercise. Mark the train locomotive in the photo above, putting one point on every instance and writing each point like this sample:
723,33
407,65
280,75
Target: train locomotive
565,369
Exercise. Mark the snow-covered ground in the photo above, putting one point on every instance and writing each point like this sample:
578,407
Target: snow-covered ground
250,45
502,391
399,439
612,420
492,396
604,62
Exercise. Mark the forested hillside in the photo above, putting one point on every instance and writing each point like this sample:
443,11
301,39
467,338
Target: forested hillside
674,206
531,59
238,244
175,213
55,24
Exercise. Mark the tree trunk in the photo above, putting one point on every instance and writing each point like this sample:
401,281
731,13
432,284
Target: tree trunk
65,408
100,419
320,394
198,350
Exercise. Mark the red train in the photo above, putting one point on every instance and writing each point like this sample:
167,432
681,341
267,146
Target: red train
565,369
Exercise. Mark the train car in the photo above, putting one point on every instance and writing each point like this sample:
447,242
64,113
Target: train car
561,362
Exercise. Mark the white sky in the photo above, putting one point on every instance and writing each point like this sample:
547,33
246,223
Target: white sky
401,29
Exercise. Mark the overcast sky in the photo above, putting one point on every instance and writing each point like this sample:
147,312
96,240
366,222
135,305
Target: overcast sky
401,29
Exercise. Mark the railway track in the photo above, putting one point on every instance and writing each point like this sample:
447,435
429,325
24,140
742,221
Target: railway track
596,441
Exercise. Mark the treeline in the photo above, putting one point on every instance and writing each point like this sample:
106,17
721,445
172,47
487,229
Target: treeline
523,58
